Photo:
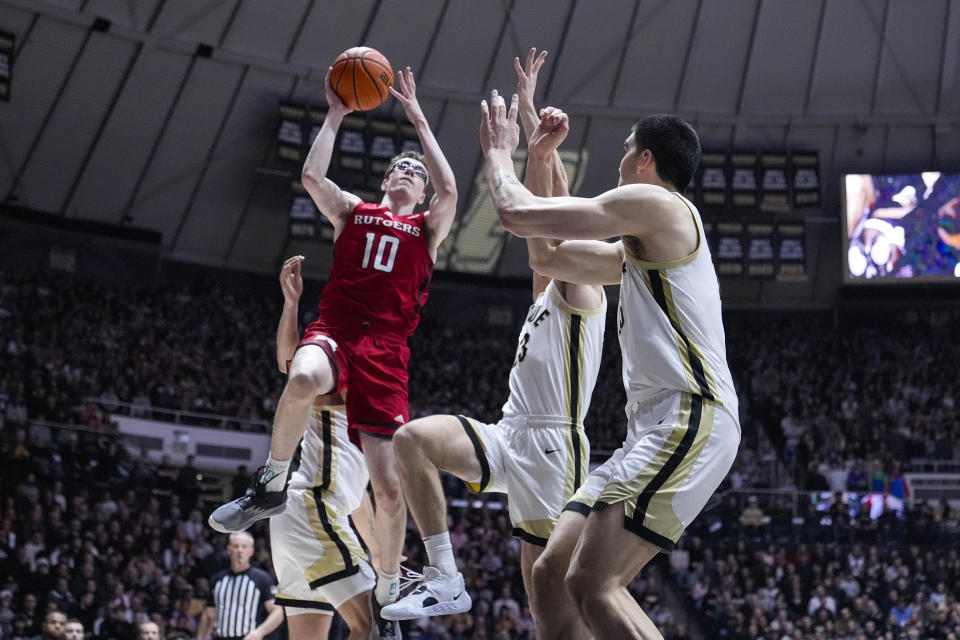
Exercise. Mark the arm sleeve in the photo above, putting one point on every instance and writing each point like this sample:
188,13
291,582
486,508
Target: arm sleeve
268,590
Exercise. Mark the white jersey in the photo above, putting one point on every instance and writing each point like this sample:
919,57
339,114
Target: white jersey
329,462
671,328
558,357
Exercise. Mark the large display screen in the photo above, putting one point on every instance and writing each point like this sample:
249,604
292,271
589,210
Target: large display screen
902,227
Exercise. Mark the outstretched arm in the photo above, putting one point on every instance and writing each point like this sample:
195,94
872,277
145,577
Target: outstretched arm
288,333
526,88
443,205
550,131
540,157
332,201
635,209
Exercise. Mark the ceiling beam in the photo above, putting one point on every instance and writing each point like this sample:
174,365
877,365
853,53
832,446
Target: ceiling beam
208,159
38,136
815,57
686,56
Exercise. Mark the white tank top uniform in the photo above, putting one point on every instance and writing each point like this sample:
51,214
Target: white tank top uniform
319,561
538,453
683,428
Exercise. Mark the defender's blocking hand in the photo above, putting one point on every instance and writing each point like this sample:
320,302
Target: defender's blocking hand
498,125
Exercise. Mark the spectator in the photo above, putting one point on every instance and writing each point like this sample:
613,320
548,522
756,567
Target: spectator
54,626
148,631
73,630
752,517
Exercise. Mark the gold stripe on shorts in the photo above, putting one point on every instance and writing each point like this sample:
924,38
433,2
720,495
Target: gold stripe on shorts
341,554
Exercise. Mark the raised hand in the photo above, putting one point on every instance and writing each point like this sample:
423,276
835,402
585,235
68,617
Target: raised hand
291,282
527,76
336,104
550,132
498,126
407,96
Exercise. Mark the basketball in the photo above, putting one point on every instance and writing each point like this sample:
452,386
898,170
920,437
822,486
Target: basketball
361,77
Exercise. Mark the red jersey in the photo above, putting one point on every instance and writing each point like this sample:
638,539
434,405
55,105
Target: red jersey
381,272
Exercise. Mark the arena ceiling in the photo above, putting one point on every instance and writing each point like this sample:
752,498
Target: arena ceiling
114,117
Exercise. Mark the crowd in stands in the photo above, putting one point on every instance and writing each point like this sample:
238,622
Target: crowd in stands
835,574
840,405
114,541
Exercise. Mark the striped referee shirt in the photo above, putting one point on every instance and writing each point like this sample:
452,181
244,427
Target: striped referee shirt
239,600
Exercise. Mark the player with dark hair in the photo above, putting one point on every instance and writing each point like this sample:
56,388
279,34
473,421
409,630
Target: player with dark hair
538,452
683,427
382,263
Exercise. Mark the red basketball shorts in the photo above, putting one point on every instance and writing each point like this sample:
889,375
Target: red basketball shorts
372,368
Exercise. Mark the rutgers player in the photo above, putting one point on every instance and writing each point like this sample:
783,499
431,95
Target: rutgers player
383,260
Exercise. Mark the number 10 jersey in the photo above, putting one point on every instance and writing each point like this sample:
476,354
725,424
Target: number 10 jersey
381,272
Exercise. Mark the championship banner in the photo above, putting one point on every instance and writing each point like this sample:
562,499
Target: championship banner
774,195
304,215
291,138
744,179
805,169
306,221
791,252
730,248
760,254
714,186
7,44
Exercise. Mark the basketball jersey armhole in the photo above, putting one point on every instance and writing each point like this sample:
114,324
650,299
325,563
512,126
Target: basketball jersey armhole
679,262
568,308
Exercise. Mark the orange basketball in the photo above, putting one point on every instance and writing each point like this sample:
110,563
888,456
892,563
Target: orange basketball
361,76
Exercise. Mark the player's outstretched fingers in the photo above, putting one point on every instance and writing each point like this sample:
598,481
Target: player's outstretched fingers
496,102
514,108
484,112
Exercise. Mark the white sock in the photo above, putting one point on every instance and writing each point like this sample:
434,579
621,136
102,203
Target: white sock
388,586
280,469
440,553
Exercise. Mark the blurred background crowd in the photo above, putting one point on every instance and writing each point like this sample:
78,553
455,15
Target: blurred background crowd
113,539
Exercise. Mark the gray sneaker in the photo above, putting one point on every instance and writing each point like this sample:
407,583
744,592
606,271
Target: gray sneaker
382,629
257,504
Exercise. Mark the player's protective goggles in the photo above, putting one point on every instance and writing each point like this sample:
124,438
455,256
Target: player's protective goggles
403,165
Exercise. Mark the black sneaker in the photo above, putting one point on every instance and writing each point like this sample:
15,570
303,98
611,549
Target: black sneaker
383,629
257,504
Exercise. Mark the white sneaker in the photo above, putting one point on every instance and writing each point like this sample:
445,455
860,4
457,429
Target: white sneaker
437,595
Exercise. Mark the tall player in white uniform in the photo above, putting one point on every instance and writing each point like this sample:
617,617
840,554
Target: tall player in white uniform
538,453
320,564
682,421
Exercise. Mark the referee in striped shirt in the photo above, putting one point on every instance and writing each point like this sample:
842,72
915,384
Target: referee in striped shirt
240,605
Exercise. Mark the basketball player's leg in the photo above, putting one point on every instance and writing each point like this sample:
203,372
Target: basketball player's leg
390,516
356,613
554,614
606,559
313,371
425,447
311,374
528,556
310,626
